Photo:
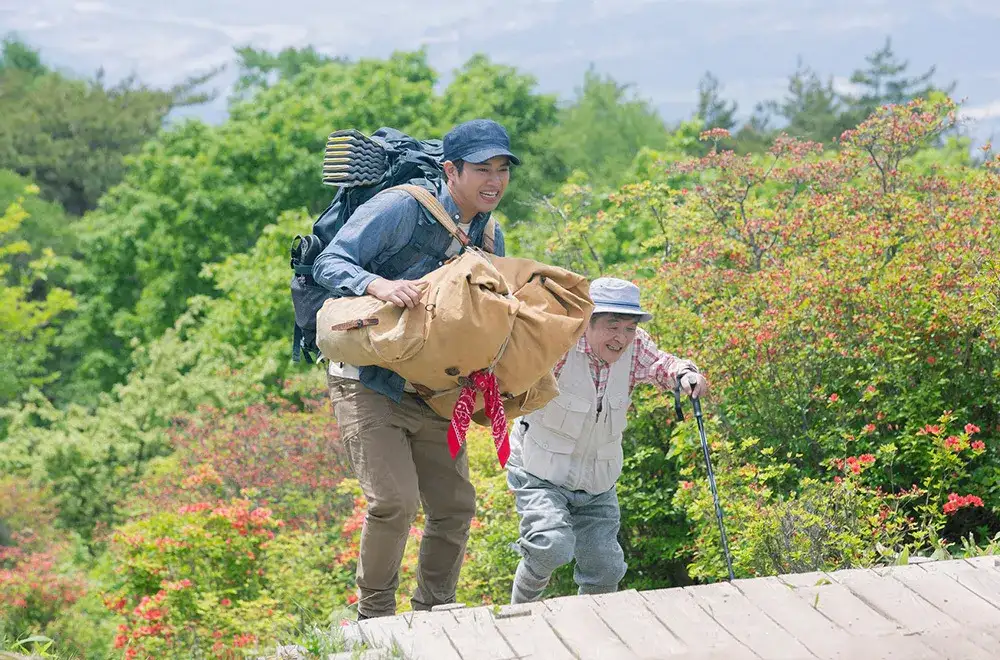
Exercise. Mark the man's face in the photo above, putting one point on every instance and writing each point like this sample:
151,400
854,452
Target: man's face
610,335
480,186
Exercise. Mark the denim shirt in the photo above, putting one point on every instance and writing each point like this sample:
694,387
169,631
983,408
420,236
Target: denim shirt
394,237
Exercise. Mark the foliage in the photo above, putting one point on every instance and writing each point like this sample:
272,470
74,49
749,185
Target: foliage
583,227
597,135
812,109
248,535
259,69
193,580
37,578
816,110
712,109
288,460
488,572
15,55
818,525
71,136
45,227
884,81
26,315
839,311
222,353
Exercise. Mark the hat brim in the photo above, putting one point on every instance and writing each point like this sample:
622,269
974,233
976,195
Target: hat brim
484,155
641,314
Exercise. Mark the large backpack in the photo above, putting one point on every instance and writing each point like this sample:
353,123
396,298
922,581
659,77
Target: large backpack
360,167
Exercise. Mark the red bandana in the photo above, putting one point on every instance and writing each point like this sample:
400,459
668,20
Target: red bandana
485,382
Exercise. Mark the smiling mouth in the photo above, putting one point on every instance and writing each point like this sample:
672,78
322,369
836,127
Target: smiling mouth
491,196
613,349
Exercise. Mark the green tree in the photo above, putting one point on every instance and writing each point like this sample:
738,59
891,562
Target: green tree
884,81
49,232
25,320
713,110
598,134
71,136
15,55
260,69
811,109
46,225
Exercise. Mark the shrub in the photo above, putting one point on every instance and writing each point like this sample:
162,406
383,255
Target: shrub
212,578
842,301
37,577
276,456
488,572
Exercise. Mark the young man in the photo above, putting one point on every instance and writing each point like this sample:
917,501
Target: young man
396,444
566,457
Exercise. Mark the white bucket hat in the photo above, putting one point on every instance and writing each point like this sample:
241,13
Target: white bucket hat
611,294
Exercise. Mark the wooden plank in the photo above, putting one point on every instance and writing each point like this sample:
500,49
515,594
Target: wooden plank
378,632
474,635
418,635
898,646
961,644
948,596
529,634
837,603
987,562
816,632
625,612
746,623
677,610
718,654
576,623
982,582
894,601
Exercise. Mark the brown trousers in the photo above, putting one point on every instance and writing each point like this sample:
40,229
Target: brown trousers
399,454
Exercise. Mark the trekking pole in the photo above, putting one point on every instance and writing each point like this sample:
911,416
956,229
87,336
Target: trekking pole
708,466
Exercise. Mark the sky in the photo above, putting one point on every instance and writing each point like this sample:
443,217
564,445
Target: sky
660,47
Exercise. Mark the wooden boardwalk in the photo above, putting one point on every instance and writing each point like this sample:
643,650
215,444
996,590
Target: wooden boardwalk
928,611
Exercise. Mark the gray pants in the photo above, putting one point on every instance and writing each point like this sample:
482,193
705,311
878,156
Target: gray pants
558,525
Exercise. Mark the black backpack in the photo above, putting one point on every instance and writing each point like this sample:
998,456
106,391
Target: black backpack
360,167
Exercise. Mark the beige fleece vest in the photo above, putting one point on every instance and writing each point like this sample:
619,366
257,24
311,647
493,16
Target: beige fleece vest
570,443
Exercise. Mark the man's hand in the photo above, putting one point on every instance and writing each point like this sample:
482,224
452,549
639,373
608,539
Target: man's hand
693,384
401,293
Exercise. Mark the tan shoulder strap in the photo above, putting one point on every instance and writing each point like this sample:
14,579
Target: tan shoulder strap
489,233
431,203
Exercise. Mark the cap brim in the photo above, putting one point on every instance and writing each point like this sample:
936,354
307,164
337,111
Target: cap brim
484,155
641,314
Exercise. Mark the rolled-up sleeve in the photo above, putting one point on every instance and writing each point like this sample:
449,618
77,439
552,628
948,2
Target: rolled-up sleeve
382,225
659,368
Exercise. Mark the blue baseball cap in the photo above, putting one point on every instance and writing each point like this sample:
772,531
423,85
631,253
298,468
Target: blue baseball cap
611,294
477,141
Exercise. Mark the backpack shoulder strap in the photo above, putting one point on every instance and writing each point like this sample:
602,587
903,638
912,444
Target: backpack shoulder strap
489,233
431,203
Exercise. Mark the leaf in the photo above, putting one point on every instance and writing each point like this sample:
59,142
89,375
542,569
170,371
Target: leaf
645,273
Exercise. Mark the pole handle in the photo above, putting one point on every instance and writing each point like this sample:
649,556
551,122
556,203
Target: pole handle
678,409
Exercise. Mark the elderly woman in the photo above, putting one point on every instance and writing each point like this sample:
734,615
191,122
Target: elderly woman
566,457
